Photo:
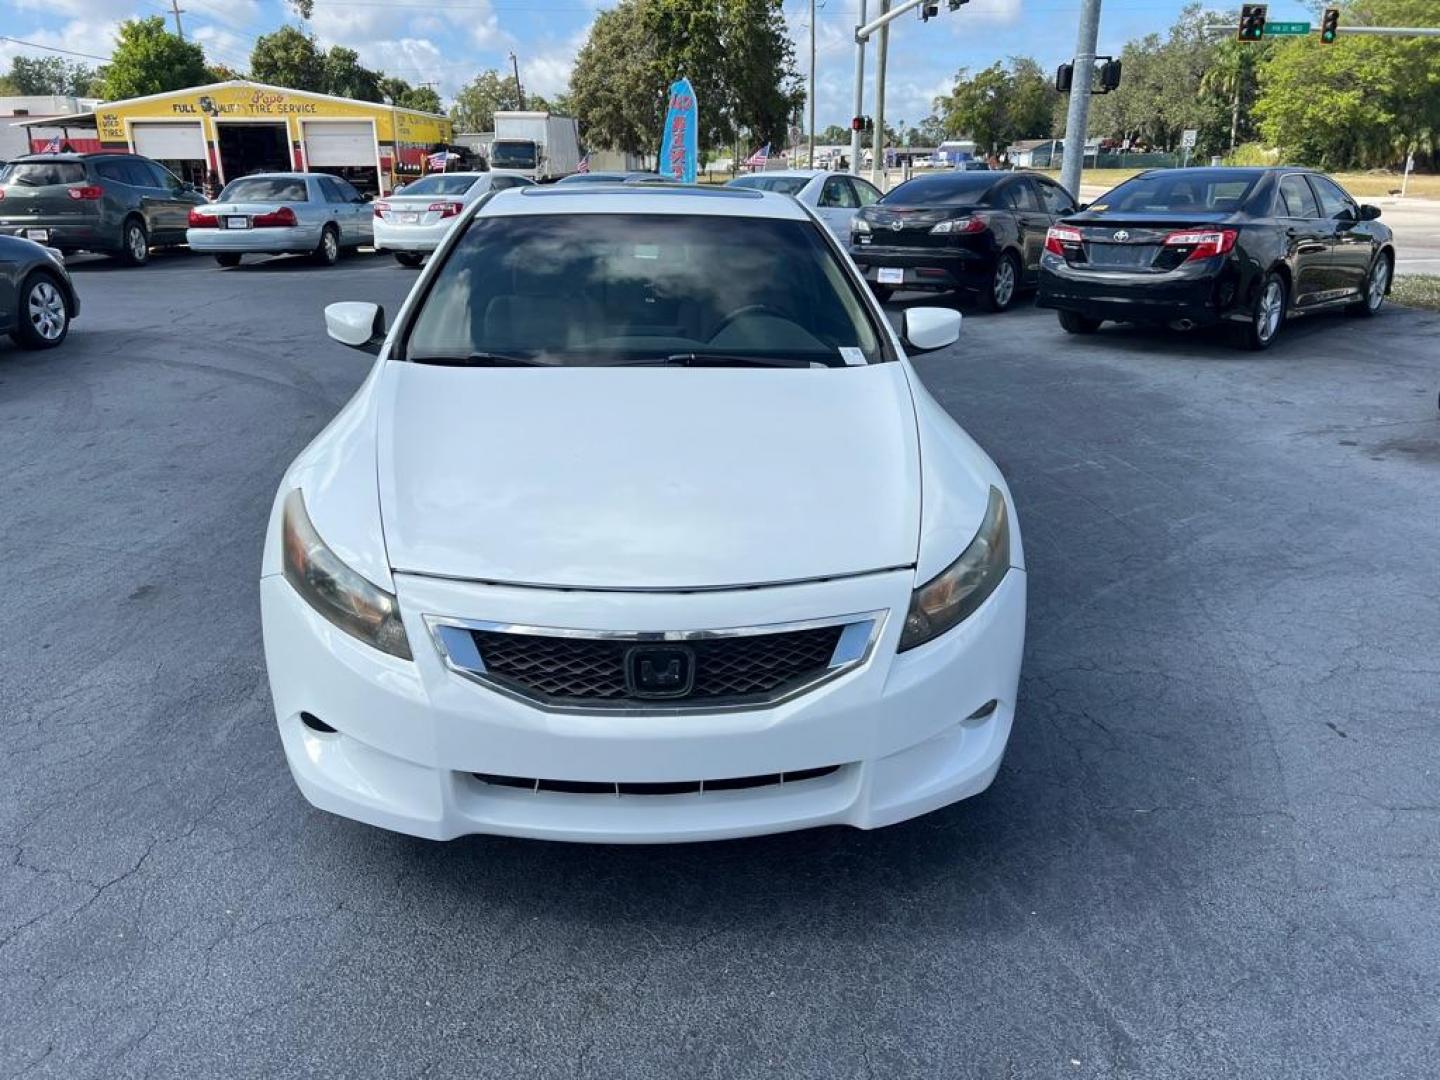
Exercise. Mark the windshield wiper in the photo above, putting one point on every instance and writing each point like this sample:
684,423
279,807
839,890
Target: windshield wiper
481,359
691,359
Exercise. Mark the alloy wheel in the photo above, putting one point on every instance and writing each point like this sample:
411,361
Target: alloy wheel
1379,279
332,246
1270,310
1004,287
46,309
138,246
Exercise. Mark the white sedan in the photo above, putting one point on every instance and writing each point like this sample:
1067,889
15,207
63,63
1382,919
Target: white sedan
412,222
835,197
613,547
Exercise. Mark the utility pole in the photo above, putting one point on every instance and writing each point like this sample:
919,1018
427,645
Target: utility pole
812,84
519,91
877,138
859,97
178,10
1079,114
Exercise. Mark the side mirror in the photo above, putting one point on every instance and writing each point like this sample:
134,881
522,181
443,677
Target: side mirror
1082,207
356,323
927,328
1368,212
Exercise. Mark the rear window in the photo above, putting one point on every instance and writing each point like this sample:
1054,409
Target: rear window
41,173
265,189
1181,190
786,185
441,184
944,189
580,290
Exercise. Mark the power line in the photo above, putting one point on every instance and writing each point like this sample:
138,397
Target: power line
52,48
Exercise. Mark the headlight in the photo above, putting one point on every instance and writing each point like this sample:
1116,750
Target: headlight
334,590
859,224
953,594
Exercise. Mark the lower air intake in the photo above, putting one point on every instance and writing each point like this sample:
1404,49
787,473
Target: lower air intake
669,787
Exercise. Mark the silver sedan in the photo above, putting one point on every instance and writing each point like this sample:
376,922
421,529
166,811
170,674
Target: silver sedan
835,197
282,213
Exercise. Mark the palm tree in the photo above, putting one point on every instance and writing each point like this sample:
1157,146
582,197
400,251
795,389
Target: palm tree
1231,71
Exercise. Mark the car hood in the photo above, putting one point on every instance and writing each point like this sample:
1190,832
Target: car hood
647,478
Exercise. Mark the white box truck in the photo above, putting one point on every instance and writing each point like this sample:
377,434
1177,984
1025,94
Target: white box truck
536,145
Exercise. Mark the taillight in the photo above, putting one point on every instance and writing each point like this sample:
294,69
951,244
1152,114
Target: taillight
201,220
2,193
381,209
1057,236
959,225
447,209
86,192
282,218
1203,244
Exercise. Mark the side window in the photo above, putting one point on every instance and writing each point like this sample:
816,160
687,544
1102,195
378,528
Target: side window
329,189
137,172
114,171
1334,203
1018,196
867,193
348,192
499,183
832,195
1296,198
1057,200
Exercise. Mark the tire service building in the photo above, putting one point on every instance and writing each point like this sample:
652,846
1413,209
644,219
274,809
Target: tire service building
230,129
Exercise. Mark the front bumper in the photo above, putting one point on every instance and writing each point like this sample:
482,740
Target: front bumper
932,268
298,239
1202,292
418,238
411,735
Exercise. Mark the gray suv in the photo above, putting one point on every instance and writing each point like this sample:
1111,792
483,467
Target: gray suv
119,204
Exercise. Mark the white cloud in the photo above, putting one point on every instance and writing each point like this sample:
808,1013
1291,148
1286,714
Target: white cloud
80,36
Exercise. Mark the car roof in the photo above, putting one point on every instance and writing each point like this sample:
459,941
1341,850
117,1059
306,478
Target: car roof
646,199
283,176
72,155
807,173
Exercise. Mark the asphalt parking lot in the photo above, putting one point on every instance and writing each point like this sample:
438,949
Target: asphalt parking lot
1213,849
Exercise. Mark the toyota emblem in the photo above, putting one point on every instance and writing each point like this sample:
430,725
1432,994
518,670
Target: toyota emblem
1121,235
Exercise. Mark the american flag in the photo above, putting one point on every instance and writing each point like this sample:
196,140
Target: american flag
759,157
436,162
584,165
53,146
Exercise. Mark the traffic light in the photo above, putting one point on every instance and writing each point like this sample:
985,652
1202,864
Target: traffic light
929,11
1329,26
1252,22
857,123
869,123
1064,77
1109,76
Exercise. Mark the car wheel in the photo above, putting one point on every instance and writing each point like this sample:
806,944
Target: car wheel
327,252
999,292
1072,322
408,258
1268,314
44,316
229,258
883,293
1376,282
135,243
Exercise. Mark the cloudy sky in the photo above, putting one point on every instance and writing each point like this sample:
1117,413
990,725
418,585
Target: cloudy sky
447,41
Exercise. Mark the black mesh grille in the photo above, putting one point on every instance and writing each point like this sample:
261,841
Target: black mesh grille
664,787
577,670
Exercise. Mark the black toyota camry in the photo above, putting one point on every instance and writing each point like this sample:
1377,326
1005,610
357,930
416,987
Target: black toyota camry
977,231
1249,247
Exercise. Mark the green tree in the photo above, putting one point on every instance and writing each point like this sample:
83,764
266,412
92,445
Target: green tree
47,75
148,59
1231,77
481,98
290,58
999,105
345,76
423,98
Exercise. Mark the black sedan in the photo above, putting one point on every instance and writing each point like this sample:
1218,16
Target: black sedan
37,300
1248,247
978,231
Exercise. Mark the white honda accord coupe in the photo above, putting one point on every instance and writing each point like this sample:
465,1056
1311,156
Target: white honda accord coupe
642,528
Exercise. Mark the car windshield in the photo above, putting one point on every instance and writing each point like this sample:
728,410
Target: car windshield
441,184
41,173
1180,190
599,289
512,155
264,189
786,185
945,189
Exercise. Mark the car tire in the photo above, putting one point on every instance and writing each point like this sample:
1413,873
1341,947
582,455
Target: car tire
44,314
327,251
228,258
1000,289
1072,322
408,258
1377,283
1267,316
134,243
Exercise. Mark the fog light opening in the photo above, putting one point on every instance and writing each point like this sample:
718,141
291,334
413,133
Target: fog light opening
314,723
984,712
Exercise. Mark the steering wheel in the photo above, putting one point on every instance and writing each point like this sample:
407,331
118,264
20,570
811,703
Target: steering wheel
748,309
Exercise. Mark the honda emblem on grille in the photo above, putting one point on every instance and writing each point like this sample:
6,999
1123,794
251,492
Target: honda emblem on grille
1121,235
659,671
